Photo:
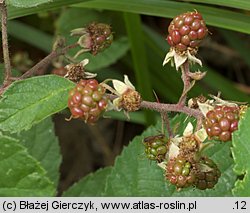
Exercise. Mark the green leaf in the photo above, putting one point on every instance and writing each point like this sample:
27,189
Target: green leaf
241,153
29,101
43,145
20,174
240,4
92,185
219,17
134,175
77,18
15,12
27,3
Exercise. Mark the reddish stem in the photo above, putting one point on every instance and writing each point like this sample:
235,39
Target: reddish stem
162,108
186,83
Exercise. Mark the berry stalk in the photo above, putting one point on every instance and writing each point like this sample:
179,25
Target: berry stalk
186,83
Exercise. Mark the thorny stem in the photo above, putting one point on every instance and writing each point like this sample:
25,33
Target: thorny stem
162,108
165,108
6,56
186,81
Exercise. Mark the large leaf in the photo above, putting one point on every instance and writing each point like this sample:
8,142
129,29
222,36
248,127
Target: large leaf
20,174
42,144
29,101
241,153
77,18
134,175
27,3
218,17
91,185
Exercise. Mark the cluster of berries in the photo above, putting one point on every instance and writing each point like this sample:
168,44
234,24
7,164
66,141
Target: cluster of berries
87,100
188,168
221,122
155,147
186,32
101,37
184,173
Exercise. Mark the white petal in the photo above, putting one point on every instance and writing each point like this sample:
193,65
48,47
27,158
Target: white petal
168,57
116,104
220,101
194,59
205,107
128,83
119,86
173,151
179,60
162,165
77,31
188,130
84,62
201,135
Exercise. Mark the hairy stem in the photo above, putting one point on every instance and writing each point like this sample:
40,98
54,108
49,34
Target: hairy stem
186,83
6,56
162,108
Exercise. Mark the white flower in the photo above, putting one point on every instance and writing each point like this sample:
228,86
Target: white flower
120,89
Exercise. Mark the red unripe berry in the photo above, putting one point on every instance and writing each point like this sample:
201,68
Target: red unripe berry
87,100
221,122
186,31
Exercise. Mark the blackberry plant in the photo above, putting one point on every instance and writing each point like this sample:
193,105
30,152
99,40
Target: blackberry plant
182,154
